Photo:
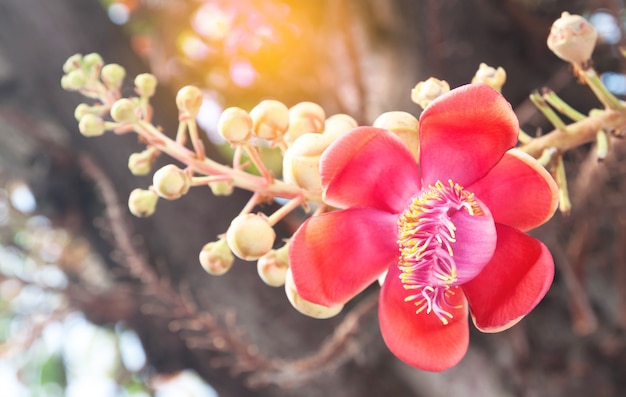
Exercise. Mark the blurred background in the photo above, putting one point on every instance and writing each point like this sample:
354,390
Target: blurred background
96,302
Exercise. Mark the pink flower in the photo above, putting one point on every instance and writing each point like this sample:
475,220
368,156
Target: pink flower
449,231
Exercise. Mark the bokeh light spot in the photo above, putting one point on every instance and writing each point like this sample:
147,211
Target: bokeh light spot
242,73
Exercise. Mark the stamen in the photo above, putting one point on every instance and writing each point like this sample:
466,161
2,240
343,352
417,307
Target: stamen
426,236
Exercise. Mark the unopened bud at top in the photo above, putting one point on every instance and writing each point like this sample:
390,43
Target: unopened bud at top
250,236
74,80
124,110
305,307
91,125
93,61
405,126
305,117
142,202
235,125
337,125
272,267
170,182
72,63
427,91
216,257
301,162
145,84
81,110
188,100
141,163
572,38
113,75
270,119
494,78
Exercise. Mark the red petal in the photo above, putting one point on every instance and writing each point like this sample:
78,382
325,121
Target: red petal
369,167
512,284
335,256
519,191
464,133
422,340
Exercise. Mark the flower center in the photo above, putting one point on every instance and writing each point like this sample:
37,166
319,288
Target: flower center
426,237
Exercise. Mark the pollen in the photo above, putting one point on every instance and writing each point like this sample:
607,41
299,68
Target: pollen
426,237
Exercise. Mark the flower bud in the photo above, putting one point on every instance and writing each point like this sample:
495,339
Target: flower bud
427,91
337,125
221,188
216,257
250,236
272,267
145,84
170,182
81,110
305,307
572,38
91,125
302,160
142,203
270,119
494,78
188,100
124,110
113,75
74,80
235,125
305,117
141,163
405,126
93,60
72,63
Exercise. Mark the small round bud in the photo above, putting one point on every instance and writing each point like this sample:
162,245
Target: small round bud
145,84
142,203
91,125
74,80
93,60
221,188
338,124
124,110
235,125
270,119
72,63
81,110
272,267
216,257
572,38
113,75
305,117
170,182
188,100
405,126
302,160
494,78
305,307
141,163
427,91
250,236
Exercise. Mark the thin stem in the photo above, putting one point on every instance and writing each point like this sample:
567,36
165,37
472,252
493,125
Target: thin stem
565,205
253,153
555,101
547,111
599,89
195,138
284,210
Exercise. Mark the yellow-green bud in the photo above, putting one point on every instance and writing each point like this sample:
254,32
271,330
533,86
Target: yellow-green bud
272,267
113,75
302,160
124,110
81,110
141,163
93,60
270,119
338,124
74,80
305,307
142,203
221,188
91,125
572,38
170,182
72,63
405,126
235,125
494,78
427,91
305,117
250,236
188,100
145,84
216,257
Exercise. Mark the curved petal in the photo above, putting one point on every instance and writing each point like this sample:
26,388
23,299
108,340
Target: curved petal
422,340
519,191
369,167
464,133
335,256
512,284
475,242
